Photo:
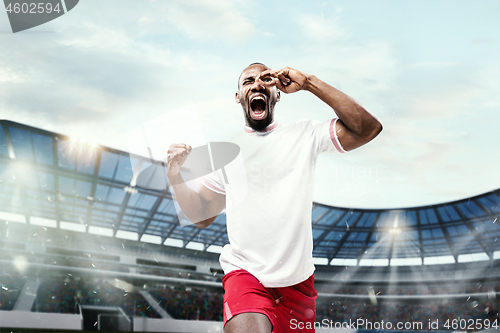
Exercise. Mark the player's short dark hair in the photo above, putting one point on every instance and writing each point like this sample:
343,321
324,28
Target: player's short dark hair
253,63
257,63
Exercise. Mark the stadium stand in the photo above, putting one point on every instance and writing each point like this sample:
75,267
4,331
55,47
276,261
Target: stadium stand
76,233
11,285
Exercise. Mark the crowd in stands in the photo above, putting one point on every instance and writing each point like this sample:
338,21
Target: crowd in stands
338,311
86,263
11,286
190,303
422,289
63,295
180,275
6,256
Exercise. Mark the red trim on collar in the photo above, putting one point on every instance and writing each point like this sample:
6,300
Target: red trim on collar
269,128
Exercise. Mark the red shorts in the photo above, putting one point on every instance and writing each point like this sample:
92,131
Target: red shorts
290,309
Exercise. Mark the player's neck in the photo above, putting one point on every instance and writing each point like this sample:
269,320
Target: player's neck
267,129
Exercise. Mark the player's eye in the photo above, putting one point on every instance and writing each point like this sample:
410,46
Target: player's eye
267,79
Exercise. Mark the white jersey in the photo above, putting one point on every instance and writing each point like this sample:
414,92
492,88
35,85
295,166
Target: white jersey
269,229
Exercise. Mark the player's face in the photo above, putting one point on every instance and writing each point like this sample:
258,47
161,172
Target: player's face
256,100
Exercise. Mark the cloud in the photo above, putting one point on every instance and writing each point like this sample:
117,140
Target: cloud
96,74
145,20
209,20
317,27
431,64
101,72
9,75
365,70
426,108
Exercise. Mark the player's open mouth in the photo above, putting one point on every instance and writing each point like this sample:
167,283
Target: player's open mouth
258,107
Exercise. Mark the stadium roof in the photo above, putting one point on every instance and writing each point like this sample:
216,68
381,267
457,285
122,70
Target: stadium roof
52,180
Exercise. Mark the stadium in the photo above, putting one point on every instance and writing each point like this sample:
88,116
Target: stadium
83,247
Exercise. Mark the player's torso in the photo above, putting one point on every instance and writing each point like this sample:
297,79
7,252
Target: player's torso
270,229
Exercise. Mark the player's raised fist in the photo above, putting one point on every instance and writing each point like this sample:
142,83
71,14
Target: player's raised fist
288,80
176,156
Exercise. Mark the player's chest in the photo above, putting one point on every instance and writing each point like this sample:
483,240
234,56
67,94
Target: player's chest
274,159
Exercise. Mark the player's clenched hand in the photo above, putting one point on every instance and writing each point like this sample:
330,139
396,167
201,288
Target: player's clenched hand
288,80
176,156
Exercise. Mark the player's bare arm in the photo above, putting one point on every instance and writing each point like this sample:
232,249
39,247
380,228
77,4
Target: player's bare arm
201,207
356,126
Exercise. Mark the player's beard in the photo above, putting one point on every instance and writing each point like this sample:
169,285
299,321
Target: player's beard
259,125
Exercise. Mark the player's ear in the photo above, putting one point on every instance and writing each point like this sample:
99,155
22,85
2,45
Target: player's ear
237,97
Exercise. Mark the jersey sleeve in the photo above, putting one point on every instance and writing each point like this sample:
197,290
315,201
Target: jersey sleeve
326,138
213,182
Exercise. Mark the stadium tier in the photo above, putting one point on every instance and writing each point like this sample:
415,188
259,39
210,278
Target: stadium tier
79,238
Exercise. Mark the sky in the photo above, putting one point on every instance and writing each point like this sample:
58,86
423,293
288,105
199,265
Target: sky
428,70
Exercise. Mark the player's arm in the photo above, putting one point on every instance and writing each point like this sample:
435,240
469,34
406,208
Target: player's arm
201,207
356,126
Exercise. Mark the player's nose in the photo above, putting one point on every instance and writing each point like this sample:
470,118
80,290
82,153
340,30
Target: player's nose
258,85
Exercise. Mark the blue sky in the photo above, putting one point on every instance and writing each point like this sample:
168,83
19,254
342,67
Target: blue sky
428,69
